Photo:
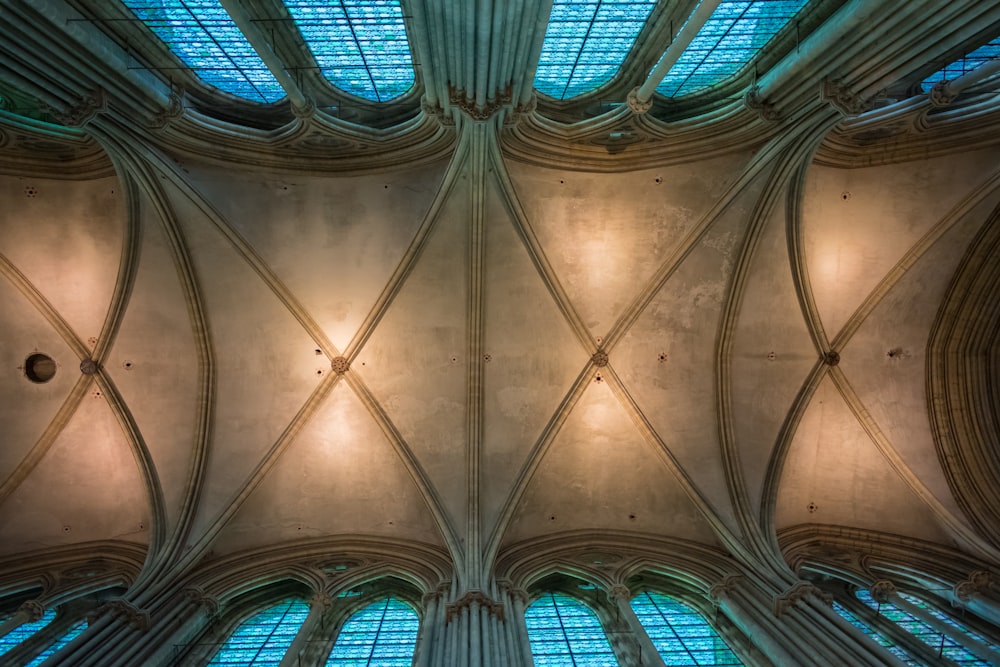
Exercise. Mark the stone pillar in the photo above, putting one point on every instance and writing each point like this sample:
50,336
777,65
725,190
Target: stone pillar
175,630
521,646
29,612
318,604
741,612
473,628
648,655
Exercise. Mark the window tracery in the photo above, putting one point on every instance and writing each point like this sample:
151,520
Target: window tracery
206,39
564,631
263,639
729,40
679,633
586,42
383,633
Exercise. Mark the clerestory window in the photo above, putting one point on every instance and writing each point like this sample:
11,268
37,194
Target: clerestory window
729,40
967,63
383,634
59,643
360,46
586,42
22,632
679,633
263,639
565,632
205,38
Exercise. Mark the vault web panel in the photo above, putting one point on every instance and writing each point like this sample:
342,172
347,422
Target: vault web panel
729,40
205,38
360,45
586,42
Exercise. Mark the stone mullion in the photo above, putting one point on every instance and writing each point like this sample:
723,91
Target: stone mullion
29,612
318,605
979,649
174,630
648,655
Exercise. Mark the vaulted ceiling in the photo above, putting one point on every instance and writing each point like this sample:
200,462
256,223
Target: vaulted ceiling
467,325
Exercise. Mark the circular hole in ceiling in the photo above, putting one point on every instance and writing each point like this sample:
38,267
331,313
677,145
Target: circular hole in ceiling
39,368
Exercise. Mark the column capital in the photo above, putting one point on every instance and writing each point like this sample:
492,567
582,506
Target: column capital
977,582
320,600
619,592
799,591
882,589
33,609
724,587
196,595
125,610
474,597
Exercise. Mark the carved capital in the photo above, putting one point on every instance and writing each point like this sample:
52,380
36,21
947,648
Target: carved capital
460,99
845,100
940,95
882,589
636,105
619,592
197,596
799,591
755,102
126,611
724,587
304,112
82,111
32,609
478,597
977,582
321,601
521,111
173,110
437,112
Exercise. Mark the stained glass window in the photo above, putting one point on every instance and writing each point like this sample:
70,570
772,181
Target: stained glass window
731,37
942,645
22,632
564,632
967,63
263,639
383,634
890,646
948,620
586,42
205,38
67,637
679,633
360,45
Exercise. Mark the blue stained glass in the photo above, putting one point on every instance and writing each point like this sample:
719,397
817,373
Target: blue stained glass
851,618
360,45
57,645
565,632
679,633
948,620
921,630
967,63
22,632
203,35
263,639
383,634
732,36
586,42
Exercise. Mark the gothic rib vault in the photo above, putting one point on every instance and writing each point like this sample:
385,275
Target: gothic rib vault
501,337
